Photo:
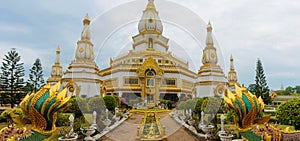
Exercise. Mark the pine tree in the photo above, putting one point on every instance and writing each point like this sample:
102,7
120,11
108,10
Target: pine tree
12,81
36,76
251,88
261,86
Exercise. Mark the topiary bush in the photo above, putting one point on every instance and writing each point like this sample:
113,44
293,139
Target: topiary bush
117,98
110,102
203,106
289,113
198,105
188,104
96,104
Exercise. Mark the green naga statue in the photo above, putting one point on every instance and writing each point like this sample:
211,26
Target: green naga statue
247,108
41,109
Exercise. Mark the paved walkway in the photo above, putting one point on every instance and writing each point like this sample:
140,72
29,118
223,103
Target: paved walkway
125,132
171,125
128,130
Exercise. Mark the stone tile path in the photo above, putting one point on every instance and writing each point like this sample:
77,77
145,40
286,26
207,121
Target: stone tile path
128,130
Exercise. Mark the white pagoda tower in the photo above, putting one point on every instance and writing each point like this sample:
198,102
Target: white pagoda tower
56,72
82,73
211,80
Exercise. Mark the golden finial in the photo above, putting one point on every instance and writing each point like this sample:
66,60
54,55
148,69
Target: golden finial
209,27
57,60
87,16
209,39
231,63
58,49
86,19
150,4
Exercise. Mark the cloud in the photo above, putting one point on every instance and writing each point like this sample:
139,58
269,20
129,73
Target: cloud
17,28
247,29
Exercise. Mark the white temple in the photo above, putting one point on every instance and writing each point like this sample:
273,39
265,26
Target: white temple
148,70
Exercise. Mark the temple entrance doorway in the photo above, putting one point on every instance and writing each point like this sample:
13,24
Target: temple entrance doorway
169,96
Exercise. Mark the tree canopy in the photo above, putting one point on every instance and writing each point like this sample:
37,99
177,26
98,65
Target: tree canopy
12,81
36,75
261,86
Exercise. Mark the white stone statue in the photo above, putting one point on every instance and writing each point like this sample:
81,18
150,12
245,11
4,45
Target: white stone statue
222,123
202,118
94,119
106,113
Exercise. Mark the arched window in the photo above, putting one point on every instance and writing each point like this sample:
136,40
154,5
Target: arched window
150,73
150,79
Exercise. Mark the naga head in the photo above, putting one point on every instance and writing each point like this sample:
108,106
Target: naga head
41,107
246,106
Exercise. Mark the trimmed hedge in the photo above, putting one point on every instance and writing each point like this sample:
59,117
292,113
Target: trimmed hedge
289,113
110,102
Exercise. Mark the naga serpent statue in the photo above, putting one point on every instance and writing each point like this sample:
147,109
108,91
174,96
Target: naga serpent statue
247,108
41,109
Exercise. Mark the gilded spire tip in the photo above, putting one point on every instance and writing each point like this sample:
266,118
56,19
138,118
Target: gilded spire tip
86,17
209,27
58,48
150,5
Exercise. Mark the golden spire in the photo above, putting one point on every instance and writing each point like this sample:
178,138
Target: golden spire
85,49
150,5
231,63
150,21
86,19
57,61
232,76
209,53
209,38
56,71
86,29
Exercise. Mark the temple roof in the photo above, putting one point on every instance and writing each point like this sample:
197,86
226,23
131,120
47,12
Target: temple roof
150,21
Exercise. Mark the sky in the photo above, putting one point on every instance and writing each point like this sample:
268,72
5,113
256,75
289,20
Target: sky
247,29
